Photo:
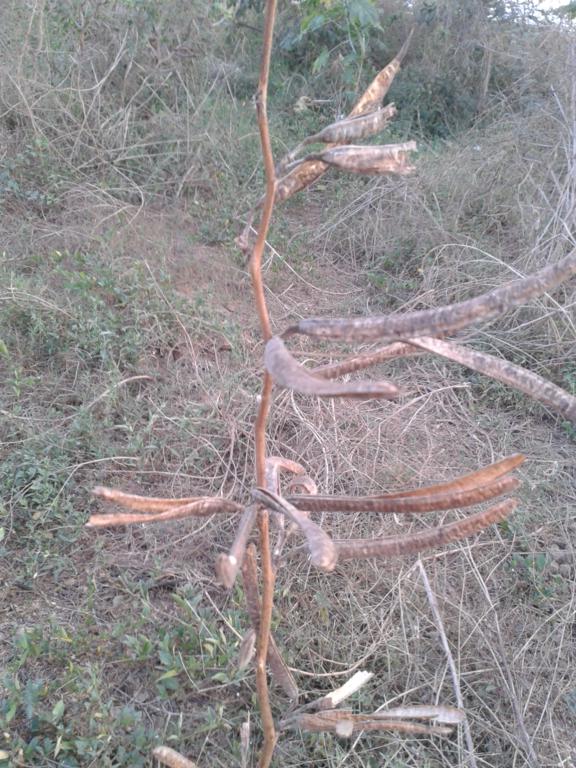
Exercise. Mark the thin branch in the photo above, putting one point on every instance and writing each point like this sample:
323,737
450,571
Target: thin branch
450,661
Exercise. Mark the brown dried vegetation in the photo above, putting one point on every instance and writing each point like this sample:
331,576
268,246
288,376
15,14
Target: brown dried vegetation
412,332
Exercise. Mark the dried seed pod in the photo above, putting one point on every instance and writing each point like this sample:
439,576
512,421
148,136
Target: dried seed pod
344,723
228,565
378,88
438,712
320,545
395,546
171,758
303,484
287,372
140,503
247,649
278,666
309,171
359,362
301,176
467,482
274,465
550,395
434,322
387,158
198,508
406,504
354,128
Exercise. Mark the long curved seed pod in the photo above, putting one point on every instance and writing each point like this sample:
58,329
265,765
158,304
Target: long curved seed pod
550,395
394,546
228,565
272,468
277,664
442,320
287,372
438,712
465,482
274,465
308,172
379,87
198,508
140,503
344,723
406,504
359,362
354,128
171,758
303,484
386,158
321,547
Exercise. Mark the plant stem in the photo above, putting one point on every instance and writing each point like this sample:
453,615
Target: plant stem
265,402
261,107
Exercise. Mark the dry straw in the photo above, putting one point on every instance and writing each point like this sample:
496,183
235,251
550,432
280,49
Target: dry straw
411,333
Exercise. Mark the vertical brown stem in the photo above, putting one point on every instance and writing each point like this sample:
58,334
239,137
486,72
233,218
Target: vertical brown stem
261,106
260,428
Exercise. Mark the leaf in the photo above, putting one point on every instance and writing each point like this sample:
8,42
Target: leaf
321,547
406,504
379,87
395,546
387,158
286,372
354,128
3,349
58,711
536,387
442,320
168,675
321,61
